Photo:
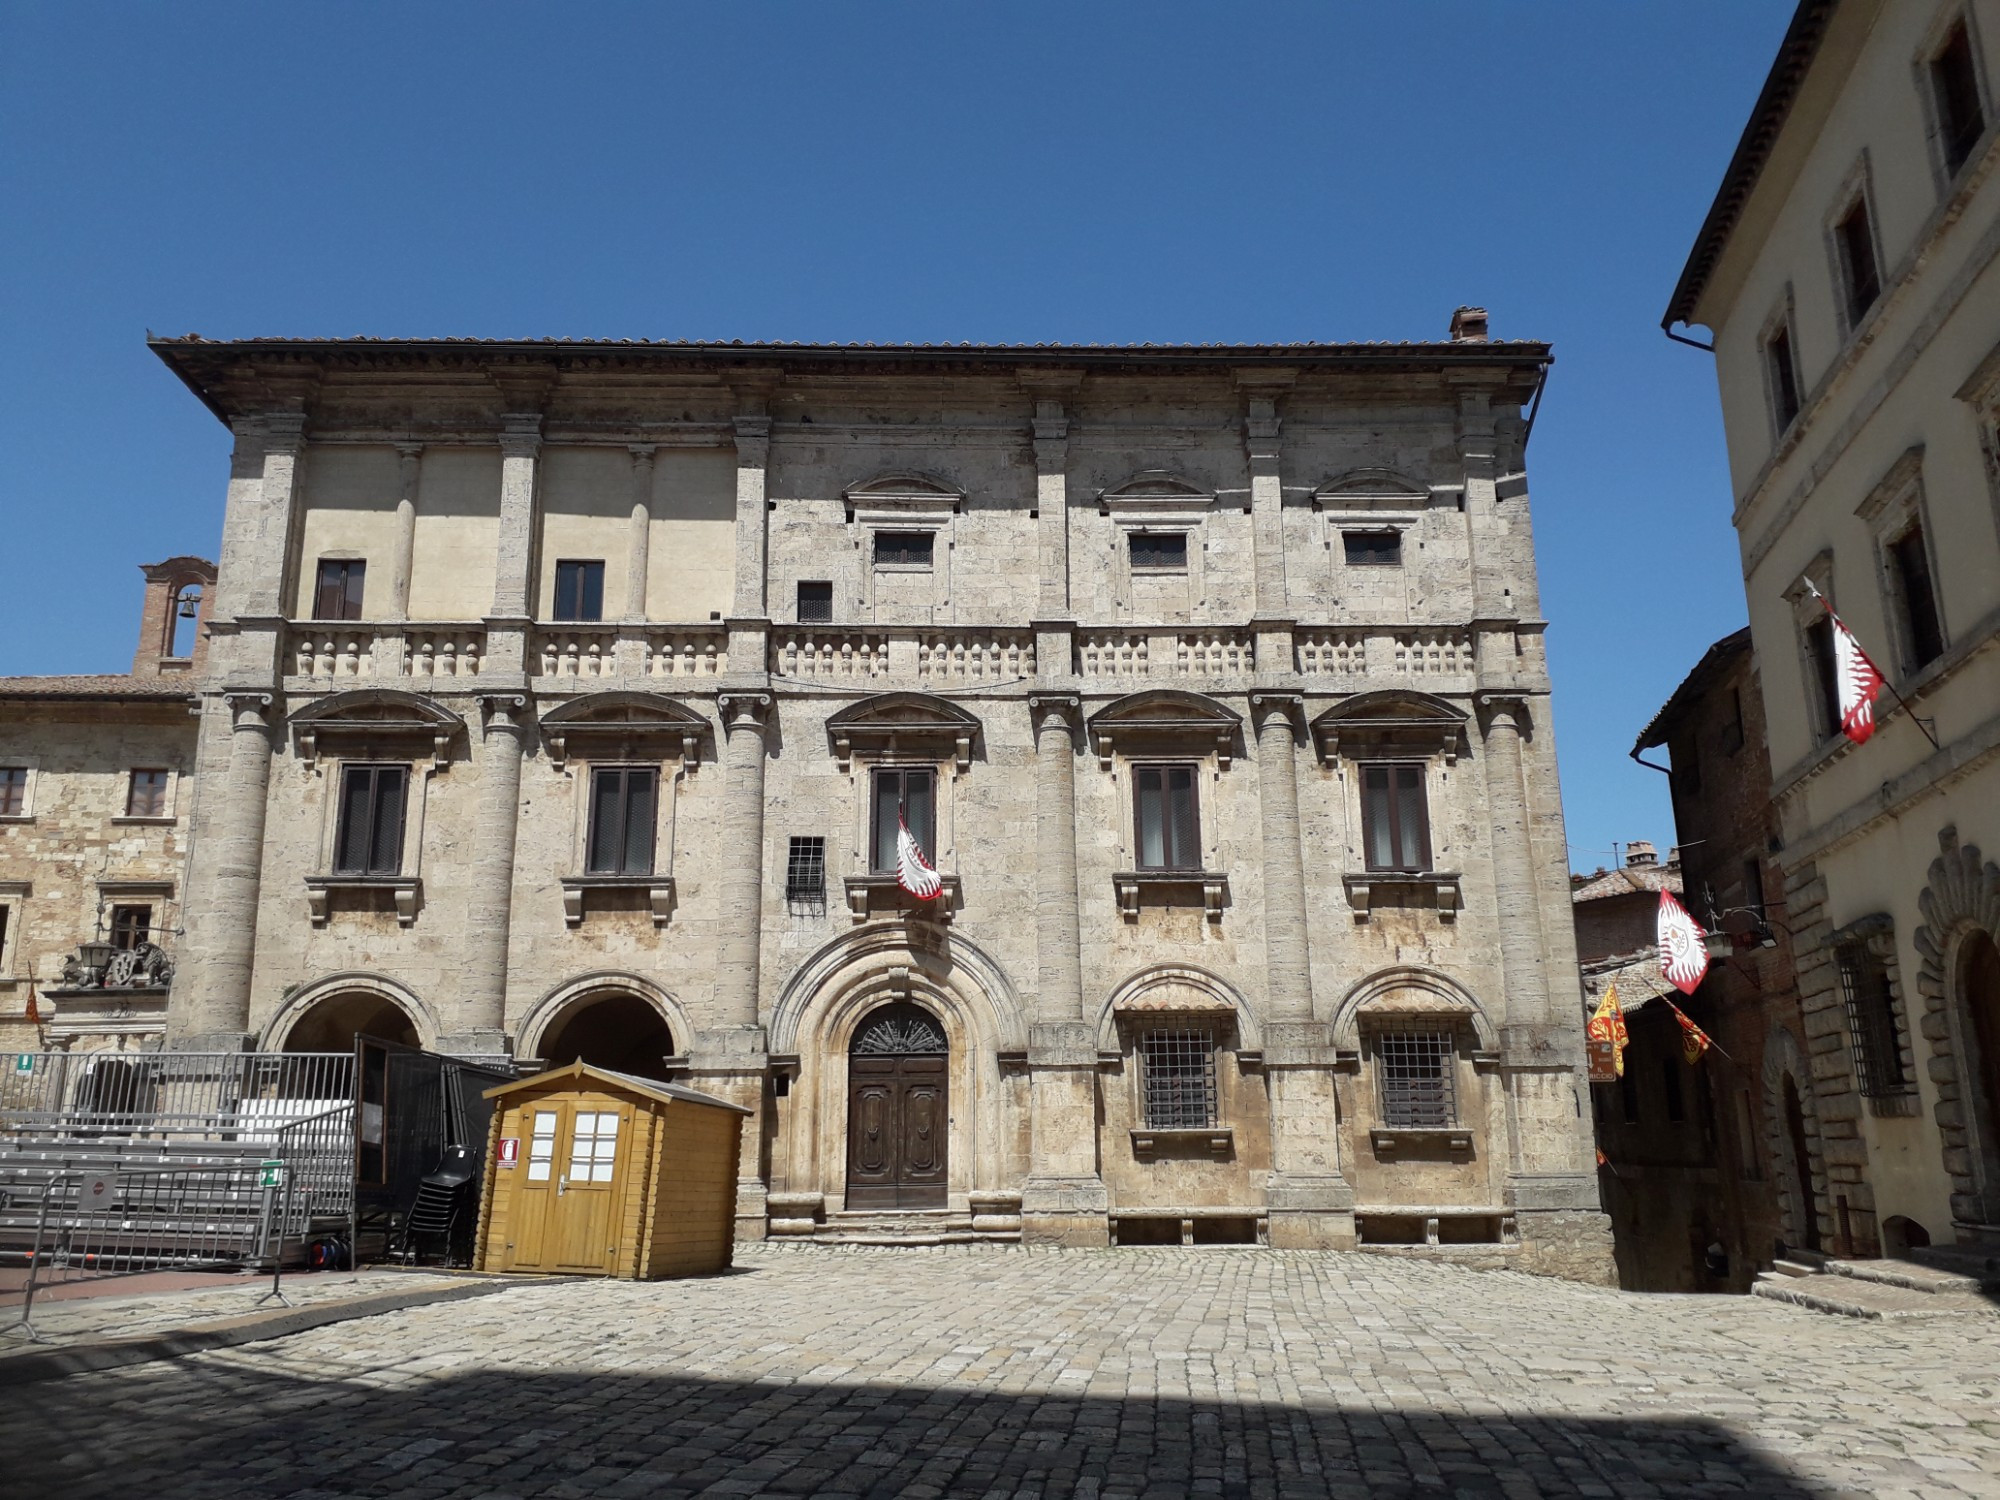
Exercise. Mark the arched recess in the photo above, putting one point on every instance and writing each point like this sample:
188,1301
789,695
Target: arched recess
327,1015
1409,991
831,996
549,1029
1177,988
1786,1139
1961,905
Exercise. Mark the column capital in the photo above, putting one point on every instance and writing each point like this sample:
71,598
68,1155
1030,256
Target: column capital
504,711
521,435
409,452
753,440
743,710
1049,709
1503,710
643,454
1267,707
284,432
249,711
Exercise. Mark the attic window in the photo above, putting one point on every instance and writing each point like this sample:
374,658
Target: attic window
1159,552
904,549
1373,549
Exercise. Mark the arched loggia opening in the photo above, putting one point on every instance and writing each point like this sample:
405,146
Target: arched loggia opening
332,1024
619,1031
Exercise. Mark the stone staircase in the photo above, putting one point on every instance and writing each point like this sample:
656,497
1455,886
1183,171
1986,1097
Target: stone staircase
988,1219
898,1227
1937,1286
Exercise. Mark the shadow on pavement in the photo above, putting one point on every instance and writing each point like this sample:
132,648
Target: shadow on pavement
203,1428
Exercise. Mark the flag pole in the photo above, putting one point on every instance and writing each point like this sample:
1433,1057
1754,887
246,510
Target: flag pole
1923,725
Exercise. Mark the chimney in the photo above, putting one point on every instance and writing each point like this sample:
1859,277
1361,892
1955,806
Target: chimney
1641,852
173,622
1468,326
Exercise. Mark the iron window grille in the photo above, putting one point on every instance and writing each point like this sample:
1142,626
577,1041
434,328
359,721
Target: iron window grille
338,596
805,876
369,837
1416,1068
1159,551
1177,1072
13,791
1395,822
1167,818
903,795
1372,549
580,591
1872,1022
903,549
815,602
146,795
623,803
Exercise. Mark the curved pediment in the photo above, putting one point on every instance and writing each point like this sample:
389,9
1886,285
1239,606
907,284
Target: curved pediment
1154,492
373,715
623,723
1391,717
905,493
1371,489
894,722
1164,716
1407,991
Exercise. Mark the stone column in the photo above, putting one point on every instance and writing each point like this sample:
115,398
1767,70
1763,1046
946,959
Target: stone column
479,1017
1516,906
641,535
409,469
1287,975
753,451
225,883
1063,1200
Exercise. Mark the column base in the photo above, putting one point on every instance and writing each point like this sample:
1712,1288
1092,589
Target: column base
1309,1213
491,1048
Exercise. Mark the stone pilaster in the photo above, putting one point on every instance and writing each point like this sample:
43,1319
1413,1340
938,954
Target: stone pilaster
1494,574
409,473
753,455
514,576
1261,427
481,1010
1052,507
1505,720
211,1009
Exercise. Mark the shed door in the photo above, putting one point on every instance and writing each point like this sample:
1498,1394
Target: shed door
566,1204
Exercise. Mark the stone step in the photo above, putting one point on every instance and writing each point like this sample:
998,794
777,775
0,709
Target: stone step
1850,1297
936,1226
1976,1262
1906,1274
1793,1267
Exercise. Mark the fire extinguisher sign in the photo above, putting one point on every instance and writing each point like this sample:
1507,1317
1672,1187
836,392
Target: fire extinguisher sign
510,1150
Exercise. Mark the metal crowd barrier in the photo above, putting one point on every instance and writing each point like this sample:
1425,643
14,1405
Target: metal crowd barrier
170,1095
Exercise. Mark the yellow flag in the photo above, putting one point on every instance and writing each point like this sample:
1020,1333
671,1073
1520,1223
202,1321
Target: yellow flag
1607,1027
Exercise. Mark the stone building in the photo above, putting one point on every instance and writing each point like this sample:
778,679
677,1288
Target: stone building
96,795
565,699
1846,270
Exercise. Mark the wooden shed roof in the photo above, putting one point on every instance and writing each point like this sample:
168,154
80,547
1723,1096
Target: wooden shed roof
652,1088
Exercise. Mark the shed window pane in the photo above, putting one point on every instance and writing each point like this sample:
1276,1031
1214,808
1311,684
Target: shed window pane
1955,86
13,791
1160,551
1395,820
1911,560
146,797
369,838
1784,377
1372,549
1857,257
1166,817
338,594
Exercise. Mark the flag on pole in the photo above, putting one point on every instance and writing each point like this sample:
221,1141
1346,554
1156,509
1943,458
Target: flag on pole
34,1015
913,872
1605,1037
1694,1041
1683,946
1858,678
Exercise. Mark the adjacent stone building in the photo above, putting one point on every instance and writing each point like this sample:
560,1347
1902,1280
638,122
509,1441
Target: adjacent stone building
567,699
1847,272
96,796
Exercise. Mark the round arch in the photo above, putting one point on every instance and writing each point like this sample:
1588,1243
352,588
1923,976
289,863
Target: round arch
1961,905
327,1014
1157,982
1409,990
1798,1200
623,1003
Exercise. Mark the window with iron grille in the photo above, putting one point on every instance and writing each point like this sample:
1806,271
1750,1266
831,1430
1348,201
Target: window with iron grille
368,839
1159,551
1372,549
623,804
903,549
815,601
1416,1067
805,876
1873,1025
1177,1069
146,795
338,596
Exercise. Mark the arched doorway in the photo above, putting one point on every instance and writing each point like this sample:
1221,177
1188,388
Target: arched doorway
1801,1163
897,1110
332,1024
1979,984
617,1030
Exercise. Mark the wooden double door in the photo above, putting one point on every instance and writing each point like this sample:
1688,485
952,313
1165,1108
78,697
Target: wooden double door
898,1116
571,1179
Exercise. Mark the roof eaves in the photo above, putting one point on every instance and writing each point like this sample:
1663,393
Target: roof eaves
1712,661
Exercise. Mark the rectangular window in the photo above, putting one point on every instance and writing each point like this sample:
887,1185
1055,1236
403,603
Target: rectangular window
146,795
1165,818
338,596
1955,89
1670,1083
903,549
1177,1068
1416,1069
1753,886
1395,824
6,911
1159,552
1628,1096
1784,376
815,602
903,796
593,1146
131,926
623,804
1910,563
1372,549
1873,1025
13,791
1858,269
542,1146
1730,740
805,875
1823,677
579,591
369,837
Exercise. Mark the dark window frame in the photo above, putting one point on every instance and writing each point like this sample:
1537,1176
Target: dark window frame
1822,674
919,812
1781,374
1914,583
579,591
1169,793
339,588
815,608
1671,1091
1860,262
1395,774
622,793
1957,100
1152,551
371,786
131,924
13,791
153,806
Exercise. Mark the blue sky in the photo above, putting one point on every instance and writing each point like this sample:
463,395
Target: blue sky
1079,172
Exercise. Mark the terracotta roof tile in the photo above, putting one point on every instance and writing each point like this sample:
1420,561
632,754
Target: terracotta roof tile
101,685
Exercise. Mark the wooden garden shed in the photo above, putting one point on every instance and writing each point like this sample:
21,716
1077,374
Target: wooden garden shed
595,1173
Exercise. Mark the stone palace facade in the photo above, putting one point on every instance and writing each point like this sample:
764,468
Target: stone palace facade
565,699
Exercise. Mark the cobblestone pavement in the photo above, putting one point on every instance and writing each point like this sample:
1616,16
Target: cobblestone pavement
993,1372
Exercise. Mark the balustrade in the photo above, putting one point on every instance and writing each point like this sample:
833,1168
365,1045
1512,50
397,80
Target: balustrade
577,650
445,650
686,653
975,655
832,653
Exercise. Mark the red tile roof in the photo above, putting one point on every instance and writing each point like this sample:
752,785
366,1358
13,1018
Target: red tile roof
99,686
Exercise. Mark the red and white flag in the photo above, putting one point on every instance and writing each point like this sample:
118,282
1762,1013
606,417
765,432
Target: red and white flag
1858,678
913,872
1683,946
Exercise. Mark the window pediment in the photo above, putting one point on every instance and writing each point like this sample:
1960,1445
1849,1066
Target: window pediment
904,496
373,716
895,723
1155,495
1392,720
628,723
1164,719
1370,491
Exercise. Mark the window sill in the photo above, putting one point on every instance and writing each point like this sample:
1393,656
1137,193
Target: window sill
1889,1106
1216,1141
1421,1140
17,818
659,894
405,890
1373,888
134,818
867,894
1211,886
882,567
